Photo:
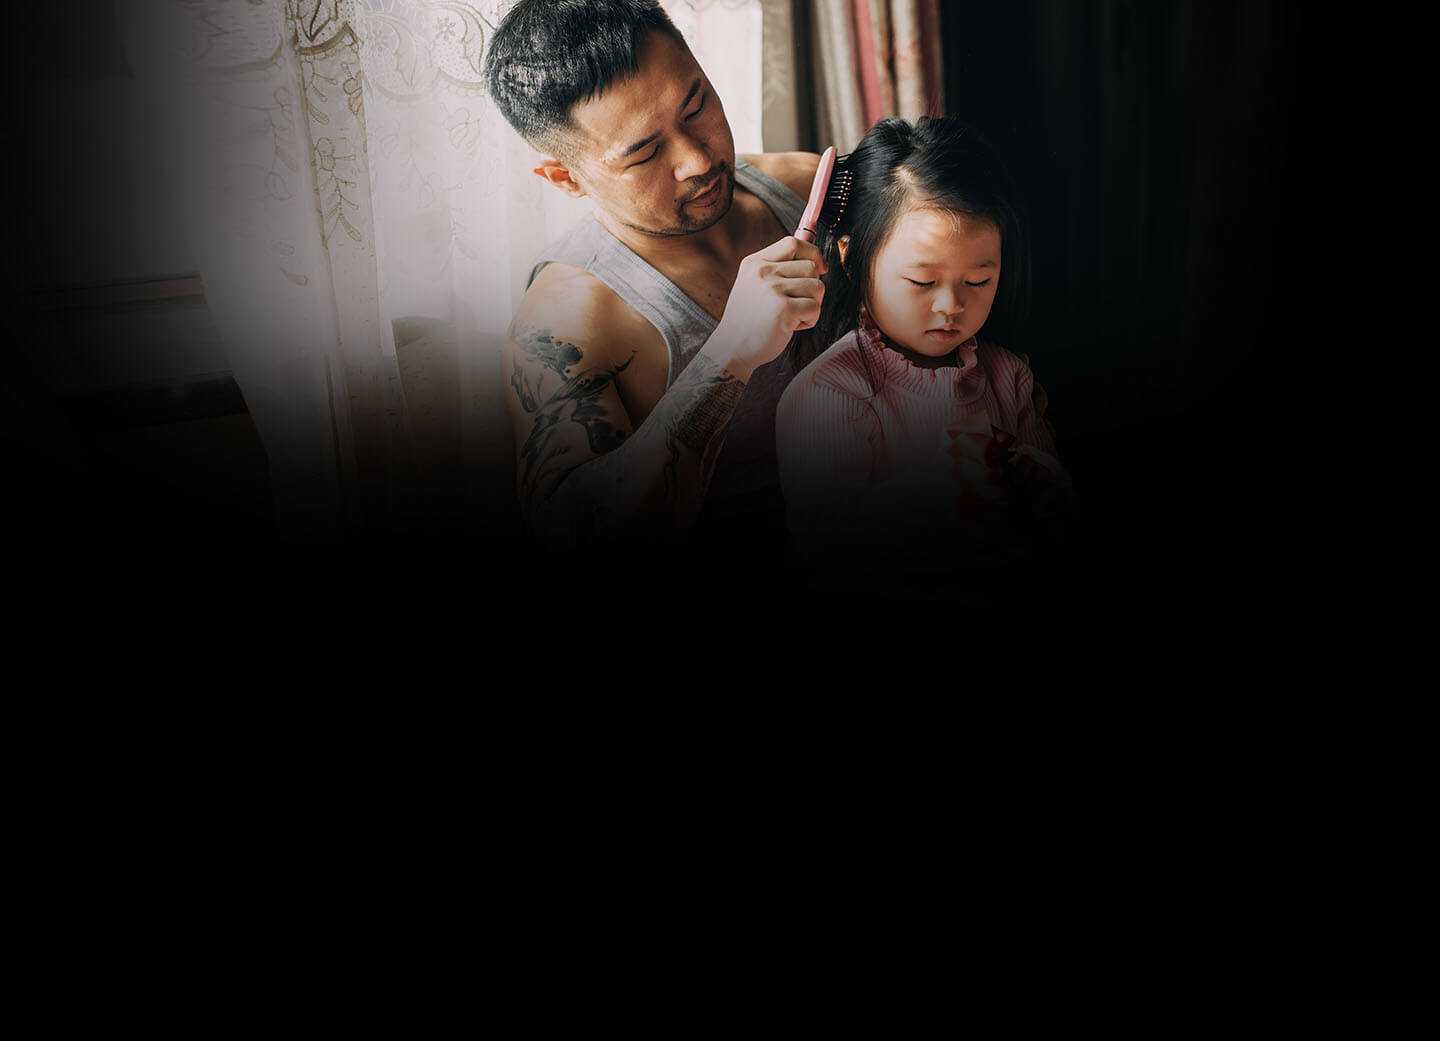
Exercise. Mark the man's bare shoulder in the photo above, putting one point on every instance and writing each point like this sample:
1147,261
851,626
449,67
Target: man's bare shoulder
569,303
795,170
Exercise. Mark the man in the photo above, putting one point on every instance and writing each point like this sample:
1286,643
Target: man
647,334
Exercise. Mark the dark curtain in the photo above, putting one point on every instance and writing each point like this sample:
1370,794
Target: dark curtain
1152,143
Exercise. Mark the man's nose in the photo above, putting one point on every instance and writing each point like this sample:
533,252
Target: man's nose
694,159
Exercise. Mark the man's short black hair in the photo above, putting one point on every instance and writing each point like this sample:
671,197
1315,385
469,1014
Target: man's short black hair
549,55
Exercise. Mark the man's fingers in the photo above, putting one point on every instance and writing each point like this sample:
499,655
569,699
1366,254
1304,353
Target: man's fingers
791,248
803,287
797,269
803,312
782,249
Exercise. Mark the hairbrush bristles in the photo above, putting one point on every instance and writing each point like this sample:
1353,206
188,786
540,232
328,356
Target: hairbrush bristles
837,196
829,195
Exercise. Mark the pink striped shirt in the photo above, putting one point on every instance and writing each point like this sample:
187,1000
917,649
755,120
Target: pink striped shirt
860,462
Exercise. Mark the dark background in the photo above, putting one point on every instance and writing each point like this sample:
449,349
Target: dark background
1154,144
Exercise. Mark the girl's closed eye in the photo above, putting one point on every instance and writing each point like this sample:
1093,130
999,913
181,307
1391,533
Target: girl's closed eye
926,285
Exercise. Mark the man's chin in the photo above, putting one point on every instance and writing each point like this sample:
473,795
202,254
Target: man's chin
690,226
721,209
711,215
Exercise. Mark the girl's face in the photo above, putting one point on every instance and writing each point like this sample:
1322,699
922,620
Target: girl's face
933,282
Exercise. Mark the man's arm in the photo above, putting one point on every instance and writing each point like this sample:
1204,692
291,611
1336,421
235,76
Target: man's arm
583,469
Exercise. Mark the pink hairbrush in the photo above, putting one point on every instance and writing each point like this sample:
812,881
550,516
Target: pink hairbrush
828,195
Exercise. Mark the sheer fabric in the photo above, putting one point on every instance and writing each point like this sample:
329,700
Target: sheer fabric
364,220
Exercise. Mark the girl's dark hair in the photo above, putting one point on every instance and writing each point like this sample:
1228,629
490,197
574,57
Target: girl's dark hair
937,162
548,55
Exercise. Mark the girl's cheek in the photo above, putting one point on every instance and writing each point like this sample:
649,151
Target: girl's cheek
898,302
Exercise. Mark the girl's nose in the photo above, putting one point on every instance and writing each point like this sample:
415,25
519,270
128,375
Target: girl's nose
947,303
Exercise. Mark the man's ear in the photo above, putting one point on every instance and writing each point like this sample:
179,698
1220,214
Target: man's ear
558,174
844,245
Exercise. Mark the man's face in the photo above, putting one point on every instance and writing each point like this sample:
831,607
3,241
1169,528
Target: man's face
655,151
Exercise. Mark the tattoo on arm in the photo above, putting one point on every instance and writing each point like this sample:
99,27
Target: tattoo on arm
542,352
704,398
661,475
573,400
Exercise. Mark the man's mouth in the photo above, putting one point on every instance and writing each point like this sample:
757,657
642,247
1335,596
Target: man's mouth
709,193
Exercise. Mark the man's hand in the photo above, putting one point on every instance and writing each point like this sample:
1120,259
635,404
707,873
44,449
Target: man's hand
777,292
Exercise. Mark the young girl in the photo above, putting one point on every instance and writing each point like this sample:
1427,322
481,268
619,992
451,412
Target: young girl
911,430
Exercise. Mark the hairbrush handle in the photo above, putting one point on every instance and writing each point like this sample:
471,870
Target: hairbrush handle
808,219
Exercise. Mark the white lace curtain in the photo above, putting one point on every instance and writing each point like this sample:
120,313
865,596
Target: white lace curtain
364,222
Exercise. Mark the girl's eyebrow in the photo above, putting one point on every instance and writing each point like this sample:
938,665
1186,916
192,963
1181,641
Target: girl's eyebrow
936,263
